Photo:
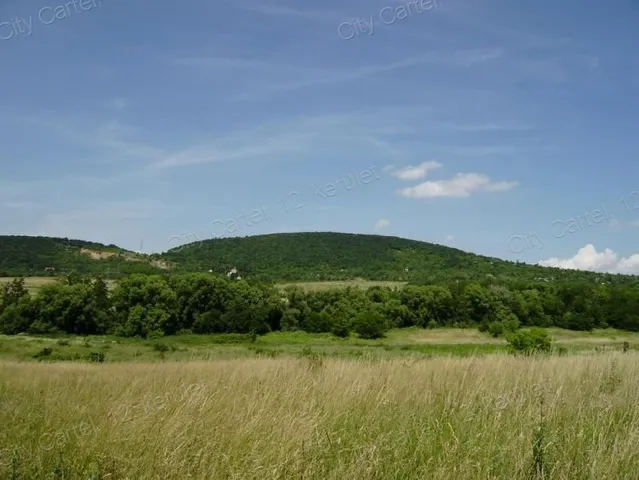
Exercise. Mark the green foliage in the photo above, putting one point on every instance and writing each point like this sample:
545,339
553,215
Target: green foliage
32,256
45,352
371,325
97,357
496,329
291,320
341,328
526,342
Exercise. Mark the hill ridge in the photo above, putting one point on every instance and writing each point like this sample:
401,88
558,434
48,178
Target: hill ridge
289,256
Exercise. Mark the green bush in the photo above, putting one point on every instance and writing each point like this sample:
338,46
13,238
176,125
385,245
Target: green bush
160,347
341,328
432,324
370,325
290,320
530,341
496,329
45,352
97,357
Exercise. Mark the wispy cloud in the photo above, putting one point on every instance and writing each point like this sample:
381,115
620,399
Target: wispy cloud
417,172
381,224
486,127
289,12
615,223
279,74
118,103
461,185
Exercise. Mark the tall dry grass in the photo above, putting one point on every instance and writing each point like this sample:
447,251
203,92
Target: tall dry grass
572,417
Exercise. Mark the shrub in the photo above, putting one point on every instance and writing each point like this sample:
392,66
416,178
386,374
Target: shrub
63,343
210,322
528,342
160,347
496,329
97,357
432,324
370,325
341,329
290,320
45,352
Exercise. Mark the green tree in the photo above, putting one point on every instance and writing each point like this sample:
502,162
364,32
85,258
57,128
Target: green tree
371,324
530,341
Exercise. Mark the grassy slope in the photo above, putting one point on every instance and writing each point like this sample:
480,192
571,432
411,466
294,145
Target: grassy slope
494,417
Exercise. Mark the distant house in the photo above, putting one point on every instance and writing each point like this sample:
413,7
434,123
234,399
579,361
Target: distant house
233,274
49,269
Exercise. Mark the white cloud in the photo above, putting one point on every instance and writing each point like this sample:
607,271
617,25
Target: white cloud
450,238
411,172
587,258
461,185
381,224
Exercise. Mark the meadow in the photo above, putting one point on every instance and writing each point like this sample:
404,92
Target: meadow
313,417
403,343
34,284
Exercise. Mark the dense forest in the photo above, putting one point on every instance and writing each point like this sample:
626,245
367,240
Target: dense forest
157,305
322,256
44,256
281,257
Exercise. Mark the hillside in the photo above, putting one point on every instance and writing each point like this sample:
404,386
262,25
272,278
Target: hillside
39,256
286,257
341,256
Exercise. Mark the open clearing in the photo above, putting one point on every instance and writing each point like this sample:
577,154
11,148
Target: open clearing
364,284
405,343
34,284
491,417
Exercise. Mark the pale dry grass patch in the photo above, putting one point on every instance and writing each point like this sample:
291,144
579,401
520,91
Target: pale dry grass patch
437,418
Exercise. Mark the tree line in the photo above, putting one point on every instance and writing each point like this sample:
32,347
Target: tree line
155,305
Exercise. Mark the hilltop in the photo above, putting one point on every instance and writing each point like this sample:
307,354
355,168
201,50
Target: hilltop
322,256
286,257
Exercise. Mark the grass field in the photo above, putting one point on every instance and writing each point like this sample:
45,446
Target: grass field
436,404
34,284
363,284
408,343
491,417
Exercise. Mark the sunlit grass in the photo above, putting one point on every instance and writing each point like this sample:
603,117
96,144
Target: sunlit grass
319,418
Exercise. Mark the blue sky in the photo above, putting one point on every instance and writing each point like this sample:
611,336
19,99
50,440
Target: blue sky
486,125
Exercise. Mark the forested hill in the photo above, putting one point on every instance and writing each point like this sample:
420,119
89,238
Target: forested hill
341,256
40,256
280,257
